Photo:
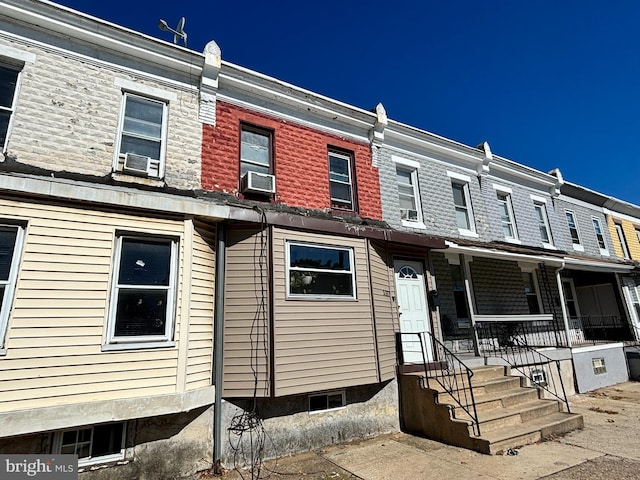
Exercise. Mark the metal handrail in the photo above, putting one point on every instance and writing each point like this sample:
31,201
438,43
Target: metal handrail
515,351
451,374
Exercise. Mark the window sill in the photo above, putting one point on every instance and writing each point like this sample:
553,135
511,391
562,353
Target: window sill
604,253
314,298
3,352
328,410
114,347
550,246
408,224
515,241
148,181
468,233
578,248
98,460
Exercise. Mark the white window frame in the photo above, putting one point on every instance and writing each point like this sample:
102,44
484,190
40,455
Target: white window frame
252,165
541,204
56,446
600,240
576,246
114,342
623,240
534,284
14,59
151,94
10,283
463,181
328,394
508,203
289,269
347,157
413,177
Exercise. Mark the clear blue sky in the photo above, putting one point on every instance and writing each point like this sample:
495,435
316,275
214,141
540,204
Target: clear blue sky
547,83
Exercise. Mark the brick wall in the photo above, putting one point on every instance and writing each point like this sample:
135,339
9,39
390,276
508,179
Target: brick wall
300,160
67,114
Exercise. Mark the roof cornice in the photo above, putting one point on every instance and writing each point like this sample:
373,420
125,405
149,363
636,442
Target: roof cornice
51,17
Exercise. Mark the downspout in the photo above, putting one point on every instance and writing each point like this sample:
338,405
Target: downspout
218,326
563,305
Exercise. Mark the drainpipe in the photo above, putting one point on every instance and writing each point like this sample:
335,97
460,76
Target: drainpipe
563,305
218,325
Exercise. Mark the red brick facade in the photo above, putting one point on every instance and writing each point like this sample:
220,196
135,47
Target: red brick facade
300,158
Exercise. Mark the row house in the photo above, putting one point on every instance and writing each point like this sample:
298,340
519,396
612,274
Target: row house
107,257
309,316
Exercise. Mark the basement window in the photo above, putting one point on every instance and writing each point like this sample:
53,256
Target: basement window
538,377
97,444
327,401
599,367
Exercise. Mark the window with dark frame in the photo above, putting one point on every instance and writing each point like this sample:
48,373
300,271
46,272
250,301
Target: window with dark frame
326,401
463,211
599,236
623,240
408,194
144,291
8,87
507,218
531,293
341,180
320,271
543,222
255,150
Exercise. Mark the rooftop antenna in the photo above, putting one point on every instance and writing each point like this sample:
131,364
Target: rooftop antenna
178,33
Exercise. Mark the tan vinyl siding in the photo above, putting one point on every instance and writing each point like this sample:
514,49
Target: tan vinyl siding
200,352
246,322
315,341
386,313
57,326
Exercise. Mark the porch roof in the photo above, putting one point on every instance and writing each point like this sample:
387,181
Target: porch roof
502,251
579,263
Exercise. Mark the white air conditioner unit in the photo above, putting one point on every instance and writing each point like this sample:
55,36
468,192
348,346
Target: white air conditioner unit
409,214
136,163
254,182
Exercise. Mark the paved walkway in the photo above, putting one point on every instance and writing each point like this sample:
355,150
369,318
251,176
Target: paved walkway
608,447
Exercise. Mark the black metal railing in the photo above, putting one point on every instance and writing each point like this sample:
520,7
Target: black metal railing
593,329
493,335
516,343
446,370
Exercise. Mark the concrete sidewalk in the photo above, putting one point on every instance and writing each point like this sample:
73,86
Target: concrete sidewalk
608,447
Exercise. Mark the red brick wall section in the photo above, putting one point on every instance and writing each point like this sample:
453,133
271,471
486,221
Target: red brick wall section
300,159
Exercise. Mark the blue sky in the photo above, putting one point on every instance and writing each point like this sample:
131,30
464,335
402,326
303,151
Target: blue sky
547,84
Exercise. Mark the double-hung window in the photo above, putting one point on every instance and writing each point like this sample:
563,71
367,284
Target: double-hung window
97,444
531,292
144,290
507,218
462,204
8,87
573,230
623,240
599,236
408,197
10,248
341,180
542,219
141,142
320,271
255,150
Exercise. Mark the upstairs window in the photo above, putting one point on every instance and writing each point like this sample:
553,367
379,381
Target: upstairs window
599,236
573,230
507,219
320,271
542,218
143,295
142,136
341,180
8,87
10,247
255,150
462,202
408,196
623,241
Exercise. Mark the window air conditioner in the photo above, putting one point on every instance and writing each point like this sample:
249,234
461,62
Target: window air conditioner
136,163
409,214
254,182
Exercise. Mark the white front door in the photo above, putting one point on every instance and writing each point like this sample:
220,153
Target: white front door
412,309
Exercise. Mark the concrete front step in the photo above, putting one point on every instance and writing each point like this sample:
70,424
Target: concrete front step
495,399
531,431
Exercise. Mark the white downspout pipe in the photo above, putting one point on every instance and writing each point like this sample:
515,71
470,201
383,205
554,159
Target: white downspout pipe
563,305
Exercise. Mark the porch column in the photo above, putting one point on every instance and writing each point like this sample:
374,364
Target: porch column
563,305
468,286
